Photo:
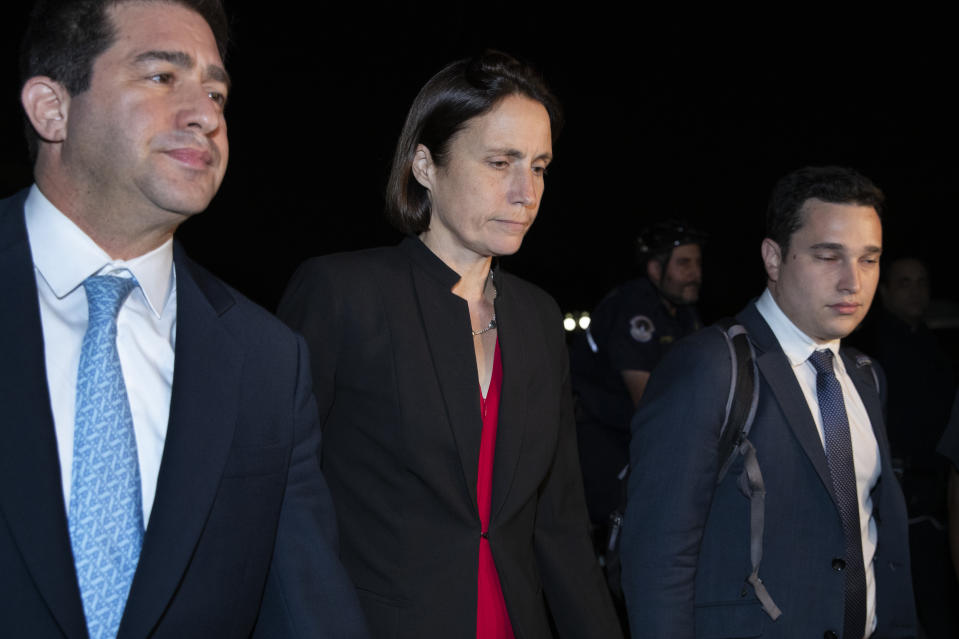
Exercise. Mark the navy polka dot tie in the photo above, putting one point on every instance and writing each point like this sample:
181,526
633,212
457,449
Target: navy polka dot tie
835,423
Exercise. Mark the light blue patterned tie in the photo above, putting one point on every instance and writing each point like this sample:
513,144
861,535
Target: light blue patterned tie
835,425
106,512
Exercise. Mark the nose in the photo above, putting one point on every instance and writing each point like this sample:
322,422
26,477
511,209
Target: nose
199,111
850,279
525,187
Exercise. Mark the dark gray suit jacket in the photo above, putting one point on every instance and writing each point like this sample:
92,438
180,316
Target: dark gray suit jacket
686,540
396,382
242,532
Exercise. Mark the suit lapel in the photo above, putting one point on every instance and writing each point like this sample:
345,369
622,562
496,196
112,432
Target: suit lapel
452,354
31,492
775,369
515,340
203,411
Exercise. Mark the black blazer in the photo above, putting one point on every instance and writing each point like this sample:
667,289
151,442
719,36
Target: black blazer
395,377
685,531
242,531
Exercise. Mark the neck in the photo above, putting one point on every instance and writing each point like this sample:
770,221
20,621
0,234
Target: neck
120,232
912,322
473,269
473,283
668,304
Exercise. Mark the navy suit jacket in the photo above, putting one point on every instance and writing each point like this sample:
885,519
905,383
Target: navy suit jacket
686,539
241,539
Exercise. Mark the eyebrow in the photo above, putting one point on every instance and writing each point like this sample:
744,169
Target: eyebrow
833,246
184,61
515,153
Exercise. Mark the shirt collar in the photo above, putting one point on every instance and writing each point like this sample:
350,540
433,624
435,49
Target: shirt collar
795,344
65,256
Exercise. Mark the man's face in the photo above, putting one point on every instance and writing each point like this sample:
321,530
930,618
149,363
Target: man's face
905,292
149,137
683,276
826,282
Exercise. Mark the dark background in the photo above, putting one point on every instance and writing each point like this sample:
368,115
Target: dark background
689,115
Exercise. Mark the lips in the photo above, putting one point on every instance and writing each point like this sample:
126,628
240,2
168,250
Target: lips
194,158
845,308
514,226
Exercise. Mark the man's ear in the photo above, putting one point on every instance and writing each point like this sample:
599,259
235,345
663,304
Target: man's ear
772,259
423,167
654,271
46,103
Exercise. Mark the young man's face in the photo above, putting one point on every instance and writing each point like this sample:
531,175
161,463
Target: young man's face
825,284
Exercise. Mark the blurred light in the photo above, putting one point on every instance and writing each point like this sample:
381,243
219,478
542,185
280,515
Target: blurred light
584,320
569,323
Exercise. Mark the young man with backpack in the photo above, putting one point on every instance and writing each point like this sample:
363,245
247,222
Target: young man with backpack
820,474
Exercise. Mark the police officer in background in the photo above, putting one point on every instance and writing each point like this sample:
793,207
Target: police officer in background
629,333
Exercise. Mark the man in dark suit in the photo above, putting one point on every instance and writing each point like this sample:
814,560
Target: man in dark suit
159,470
834,553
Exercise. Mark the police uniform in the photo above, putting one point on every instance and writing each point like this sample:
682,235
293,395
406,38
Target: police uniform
949,444
631,329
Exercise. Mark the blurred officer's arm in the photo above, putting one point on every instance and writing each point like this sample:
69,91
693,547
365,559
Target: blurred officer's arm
636,384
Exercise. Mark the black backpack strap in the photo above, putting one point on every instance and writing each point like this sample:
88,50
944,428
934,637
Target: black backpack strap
863,361
733,441
743,398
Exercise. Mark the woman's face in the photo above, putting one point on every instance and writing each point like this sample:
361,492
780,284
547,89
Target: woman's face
486,195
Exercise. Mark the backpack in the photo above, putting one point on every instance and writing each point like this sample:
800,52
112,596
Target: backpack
740,412
734,441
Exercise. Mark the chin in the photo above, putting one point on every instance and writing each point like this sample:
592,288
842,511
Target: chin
186,208
187,202
505,248
841,331
178,198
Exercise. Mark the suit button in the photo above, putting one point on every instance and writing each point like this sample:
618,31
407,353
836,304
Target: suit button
838,564
829,634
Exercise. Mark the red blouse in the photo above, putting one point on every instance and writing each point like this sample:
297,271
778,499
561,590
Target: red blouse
492,619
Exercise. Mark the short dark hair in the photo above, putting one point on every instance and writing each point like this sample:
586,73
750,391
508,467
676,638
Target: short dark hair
460,92
833,184
65,37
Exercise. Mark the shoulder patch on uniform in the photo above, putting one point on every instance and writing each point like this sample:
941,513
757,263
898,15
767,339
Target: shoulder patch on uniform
641,328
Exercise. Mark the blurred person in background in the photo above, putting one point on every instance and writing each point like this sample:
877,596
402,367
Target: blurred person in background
921,385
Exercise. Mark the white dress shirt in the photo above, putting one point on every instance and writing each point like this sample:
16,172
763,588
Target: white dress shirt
865,449
63,257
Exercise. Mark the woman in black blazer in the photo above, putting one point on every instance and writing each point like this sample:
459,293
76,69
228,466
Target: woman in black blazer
455,522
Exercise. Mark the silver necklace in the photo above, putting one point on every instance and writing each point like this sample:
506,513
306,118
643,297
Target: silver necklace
492,322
